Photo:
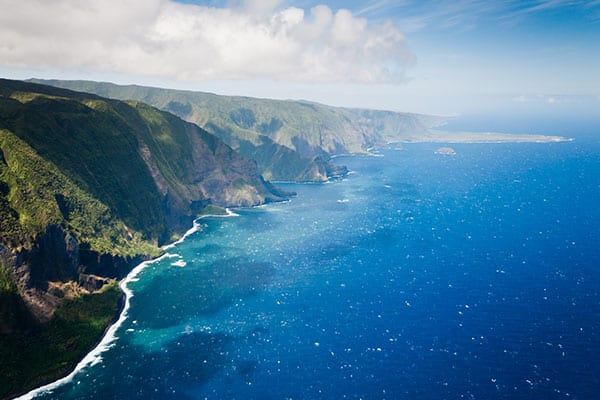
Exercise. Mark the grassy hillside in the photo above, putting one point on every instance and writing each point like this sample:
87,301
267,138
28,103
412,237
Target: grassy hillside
39,354
36,194
88,187
129,156
290,140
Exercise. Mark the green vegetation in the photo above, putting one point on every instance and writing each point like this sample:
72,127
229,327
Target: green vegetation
213,210
149,169
277,163
7,284
39,195
88,186
36,355
289,140
96,150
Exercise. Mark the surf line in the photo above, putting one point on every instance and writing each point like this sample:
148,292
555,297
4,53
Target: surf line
196,226
95,356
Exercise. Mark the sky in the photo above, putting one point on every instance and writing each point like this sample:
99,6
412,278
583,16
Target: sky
440,57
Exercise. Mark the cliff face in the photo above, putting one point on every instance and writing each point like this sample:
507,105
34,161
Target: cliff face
90,186
55,268
149,167
289,140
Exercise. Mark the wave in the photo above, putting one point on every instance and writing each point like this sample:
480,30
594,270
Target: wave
179,263
95,356
196,227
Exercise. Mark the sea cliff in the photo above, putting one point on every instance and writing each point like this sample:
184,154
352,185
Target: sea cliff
89,188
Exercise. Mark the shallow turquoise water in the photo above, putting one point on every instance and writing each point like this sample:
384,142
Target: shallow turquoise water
419,276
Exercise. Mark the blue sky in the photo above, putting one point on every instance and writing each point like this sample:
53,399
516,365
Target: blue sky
440,57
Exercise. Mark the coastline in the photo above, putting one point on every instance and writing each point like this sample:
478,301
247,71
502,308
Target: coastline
109,337
94,356
435,136
196,226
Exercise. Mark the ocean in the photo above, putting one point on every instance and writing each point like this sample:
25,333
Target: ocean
418,276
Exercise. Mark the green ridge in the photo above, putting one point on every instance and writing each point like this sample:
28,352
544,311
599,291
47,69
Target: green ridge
38,195
89,187
289,140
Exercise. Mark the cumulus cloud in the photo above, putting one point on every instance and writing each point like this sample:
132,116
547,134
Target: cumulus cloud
162,38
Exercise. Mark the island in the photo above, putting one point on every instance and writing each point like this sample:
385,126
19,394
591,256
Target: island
448,151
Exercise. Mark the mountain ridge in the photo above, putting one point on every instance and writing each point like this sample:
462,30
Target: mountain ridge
90,187
291,140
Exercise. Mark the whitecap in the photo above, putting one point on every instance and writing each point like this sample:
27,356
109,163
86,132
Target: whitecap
95,356
179,263
229,213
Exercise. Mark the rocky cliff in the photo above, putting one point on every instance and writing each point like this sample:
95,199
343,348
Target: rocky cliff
289,140
88,188
83,177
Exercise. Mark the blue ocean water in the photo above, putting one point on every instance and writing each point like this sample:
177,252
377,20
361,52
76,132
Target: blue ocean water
419,276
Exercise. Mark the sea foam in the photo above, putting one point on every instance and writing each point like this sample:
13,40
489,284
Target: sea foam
95,356
179,263
196,227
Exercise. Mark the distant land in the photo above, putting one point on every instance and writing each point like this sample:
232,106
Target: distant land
289,140
96,177
294,140
438,136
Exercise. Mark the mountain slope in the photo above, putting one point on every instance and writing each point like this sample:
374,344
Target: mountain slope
289,140
89,187
148,166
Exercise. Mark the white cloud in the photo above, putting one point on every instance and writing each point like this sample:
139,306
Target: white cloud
161,38
261,6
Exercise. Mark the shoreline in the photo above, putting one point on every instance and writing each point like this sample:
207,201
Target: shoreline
435,136
94,356
195,227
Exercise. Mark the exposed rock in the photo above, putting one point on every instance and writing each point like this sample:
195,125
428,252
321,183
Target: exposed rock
92,283
56,267
54,256
448,151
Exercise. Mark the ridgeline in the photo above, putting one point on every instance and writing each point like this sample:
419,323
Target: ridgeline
289,140
89,187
